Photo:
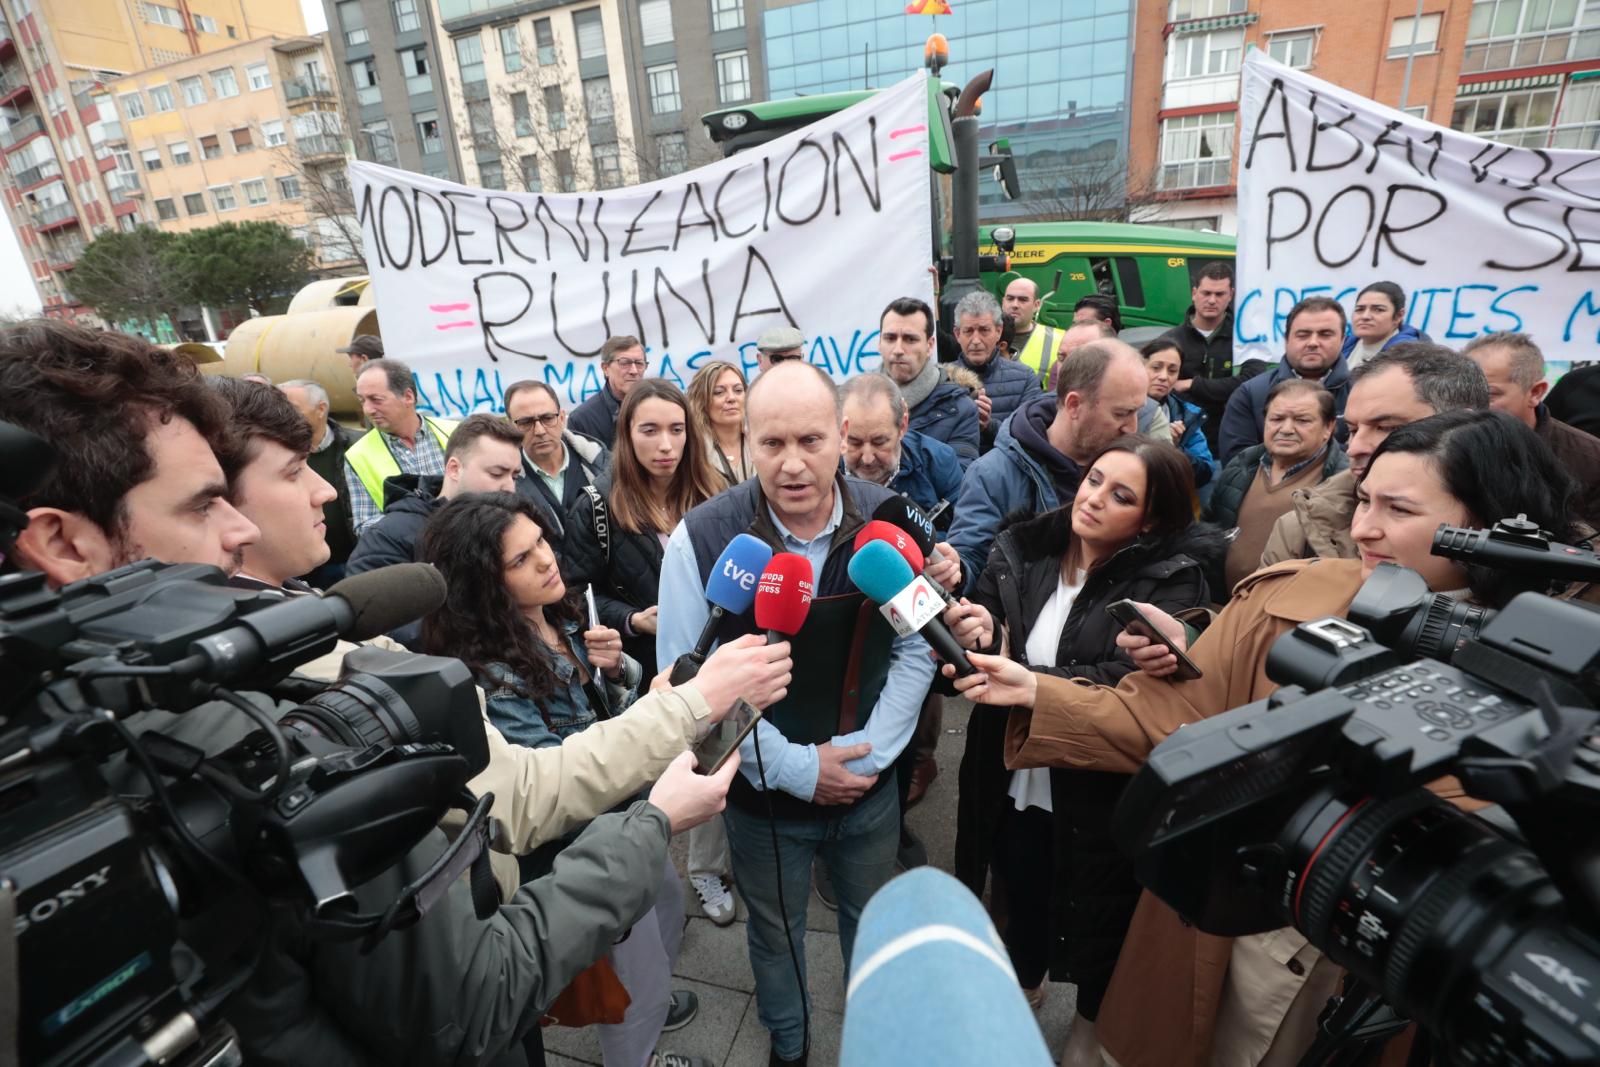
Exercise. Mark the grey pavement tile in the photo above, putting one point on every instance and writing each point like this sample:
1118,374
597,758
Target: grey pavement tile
552,1059
717,955
752,1047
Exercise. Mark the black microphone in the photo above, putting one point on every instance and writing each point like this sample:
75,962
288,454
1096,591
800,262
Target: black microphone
279,638
903,513
731,590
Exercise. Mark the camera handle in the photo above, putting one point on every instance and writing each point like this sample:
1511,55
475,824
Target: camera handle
1353,1028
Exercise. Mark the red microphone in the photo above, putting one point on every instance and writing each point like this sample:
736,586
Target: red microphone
783,596
895,538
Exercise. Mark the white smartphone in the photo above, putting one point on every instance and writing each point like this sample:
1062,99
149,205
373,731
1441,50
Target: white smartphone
594,612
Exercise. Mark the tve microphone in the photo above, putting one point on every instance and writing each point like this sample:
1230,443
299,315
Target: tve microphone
783,596
909,601
902,513
730,590
278,638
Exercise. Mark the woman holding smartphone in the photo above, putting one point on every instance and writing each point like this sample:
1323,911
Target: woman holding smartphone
511,619
1129,532
1178,995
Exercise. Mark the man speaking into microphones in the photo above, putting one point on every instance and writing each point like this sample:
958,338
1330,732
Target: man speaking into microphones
850,709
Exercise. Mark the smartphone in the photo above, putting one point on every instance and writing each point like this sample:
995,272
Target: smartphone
726,737
1134,621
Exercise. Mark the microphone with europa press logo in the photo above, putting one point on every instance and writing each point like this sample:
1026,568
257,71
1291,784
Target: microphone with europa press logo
783,596
902,513
729,590
909,601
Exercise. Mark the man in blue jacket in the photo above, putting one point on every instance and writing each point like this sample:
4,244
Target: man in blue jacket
1040,455
879,445
1006,383
940,409
1311,351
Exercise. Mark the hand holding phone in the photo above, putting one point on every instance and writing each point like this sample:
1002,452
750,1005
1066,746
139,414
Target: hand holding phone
1137,623
726,737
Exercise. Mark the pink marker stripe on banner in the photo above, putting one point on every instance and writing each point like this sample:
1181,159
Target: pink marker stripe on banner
453,325
448,307
905,155
909,129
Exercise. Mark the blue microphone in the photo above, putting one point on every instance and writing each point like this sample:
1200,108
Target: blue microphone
730,589
910,602
930,982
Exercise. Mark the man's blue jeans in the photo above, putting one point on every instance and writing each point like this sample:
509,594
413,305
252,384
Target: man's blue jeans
859,849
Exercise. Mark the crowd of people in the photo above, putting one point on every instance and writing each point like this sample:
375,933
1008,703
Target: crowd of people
1065,470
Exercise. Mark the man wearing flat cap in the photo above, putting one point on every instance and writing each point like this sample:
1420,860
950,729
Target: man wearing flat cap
778,343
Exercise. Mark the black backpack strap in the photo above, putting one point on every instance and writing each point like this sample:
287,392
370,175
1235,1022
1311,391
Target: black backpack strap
602,520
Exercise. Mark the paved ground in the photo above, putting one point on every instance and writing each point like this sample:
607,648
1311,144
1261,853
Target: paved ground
715,965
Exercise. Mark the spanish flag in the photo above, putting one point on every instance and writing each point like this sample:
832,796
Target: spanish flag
928,7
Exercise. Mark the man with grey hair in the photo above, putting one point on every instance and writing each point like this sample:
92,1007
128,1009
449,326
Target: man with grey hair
329,442
1514,366
880,446
622,364
776,344
1041,454
1006,383
1402,384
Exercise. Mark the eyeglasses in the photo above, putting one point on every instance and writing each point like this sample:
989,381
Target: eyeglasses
631,364
547,421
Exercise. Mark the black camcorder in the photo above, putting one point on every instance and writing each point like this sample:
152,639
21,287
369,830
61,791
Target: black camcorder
151,815
1309,809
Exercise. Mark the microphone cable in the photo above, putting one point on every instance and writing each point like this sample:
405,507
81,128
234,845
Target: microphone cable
783,911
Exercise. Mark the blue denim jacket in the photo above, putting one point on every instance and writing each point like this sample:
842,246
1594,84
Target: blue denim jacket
519,717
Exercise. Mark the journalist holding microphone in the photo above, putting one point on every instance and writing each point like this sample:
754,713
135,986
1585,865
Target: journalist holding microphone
138,434
1255,999
851,707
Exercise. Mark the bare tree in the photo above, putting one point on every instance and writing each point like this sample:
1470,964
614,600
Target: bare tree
328,203
1094,186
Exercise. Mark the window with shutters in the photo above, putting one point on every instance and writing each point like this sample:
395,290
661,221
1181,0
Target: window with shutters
364,73
406,18
353,21
414,65
151,158
469,56
242,142
210,147
259,75
428,135
544,39
591,34
179,151
272,133
655,21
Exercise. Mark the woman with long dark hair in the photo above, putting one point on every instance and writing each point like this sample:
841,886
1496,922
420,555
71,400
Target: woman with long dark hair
1377,321
1129,532
510,618
616,535
1174,990
716,403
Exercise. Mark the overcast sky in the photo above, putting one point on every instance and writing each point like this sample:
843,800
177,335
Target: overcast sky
17,294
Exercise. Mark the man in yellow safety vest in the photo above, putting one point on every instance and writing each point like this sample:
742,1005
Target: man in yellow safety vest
401,439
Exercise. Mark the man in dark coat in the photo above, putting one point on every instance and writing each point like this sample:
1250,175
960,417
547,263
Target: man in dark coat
557,462
1315,334
1205,340
940,408
1006,383
622,363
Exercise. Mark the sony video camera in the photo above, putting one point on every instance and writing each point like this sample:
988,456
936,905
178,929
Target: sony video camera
140,790
1309,810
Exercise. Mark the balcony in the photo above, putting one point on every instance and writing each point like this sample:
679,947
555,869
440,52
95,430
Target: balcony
14,87
1193,174
307,88
50,168
320,144
7,44
20,131
1536,50
123,185
54,217
63,255
111,132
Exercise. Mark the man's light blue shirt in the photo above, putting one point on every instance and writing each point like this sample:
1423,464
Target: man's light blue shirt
791,767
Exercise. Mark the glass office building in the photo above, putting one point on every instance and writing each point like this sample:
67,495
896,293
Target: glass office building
1060,93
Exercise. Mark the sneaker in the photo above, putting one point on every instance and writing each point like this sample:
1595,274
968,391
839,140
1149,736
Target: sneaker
681,1010
677,1059
715,900
775,1060
823,884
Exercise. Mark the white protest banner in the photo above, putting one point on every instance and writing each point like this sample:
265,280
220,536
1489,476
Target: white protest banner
1336,191
819,229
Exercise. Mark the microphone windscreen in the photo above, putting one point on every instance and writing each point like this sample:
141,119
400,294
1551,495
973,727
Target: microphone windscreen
894,537
879,571
901,512
783,596
732,585
389,597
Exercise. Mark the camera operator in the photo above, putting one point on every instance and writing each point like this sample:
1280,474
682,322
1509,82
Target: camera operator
134,427
1255,999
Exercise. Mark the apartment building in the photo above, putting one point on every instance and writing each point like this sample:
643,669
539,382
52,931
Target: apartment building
56,128
247,133
1182,166
388,58
1530,73
542,102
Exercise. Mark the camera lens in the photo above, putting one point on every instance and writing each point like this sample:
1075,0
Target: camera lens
359,712
1401,891
1442,624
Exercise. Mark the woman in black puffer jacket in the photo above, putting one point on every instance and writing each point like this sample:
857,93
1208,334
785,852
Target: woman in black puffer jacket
1068,892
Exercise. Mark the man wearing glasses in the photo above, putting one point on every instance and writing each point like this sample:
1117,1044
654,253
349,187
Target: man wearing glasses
623,364
556,461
